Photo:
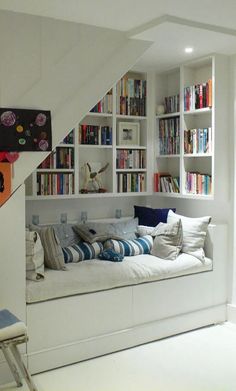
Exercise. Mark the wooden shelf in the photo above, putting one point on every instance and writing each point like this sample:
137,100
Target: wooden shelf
205,110
131,170
168,115
55,170
137,117
130,147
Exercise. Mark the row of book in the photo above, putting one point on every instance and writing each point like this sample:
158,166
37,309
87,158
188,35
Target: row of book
95,135
171,104
131,182
69,139
198,140
198,96
169,136
130,158
197,183
104,105
55,184
131,97
166,183
59,158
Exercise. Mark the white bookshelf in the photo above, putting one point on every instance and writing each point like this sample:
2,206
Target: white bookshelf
187,165
98,155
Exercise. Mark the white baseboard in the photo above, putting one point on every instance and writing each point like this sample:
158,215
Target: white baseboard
93,347
231,313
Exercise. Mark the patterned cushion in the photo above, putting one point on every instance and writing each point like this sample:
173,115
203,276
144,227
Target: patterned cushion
34,256
131,247
111,255
53,255
82,251
99,232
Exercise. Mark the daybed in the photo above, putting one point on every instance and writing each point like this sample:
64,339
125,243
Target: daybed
97,307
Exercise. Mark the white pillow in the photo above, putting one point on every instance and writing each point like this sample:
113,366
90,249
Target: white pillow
194,233
143,230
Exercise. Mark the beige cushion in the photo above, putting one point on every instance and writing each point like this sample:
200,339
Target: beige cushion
34,256
53,255
168,240
194,233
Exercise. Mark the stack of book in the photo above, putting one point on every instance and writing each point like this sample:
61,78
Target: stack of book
171,104
131,97
95,135
198,140
104,105
197,183
59,158
198,96
55,184
169,136
131,182
166,183
130,158
69,139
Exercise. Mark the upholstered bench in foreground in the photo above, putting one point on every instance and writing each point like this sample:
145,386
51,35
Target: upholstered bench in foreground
13,332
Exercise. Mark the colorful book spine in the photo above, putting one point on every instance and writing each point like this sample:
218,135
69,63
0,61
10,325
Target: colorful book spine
131,182
198,96
59,158
169,136
130,159
171,104
95,135
197,183
165,183
104,105
198,141
55,184
131,97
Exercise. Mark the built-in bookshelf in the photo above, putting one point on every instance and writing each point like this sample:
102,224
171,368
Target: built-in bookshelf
185,139
111,140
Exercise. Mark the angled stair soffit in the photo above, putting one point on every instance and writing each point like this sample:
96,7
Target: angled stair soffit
71,84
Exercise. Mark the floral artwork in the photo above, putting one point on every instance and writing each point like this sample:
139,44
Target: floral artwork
5,182
25,130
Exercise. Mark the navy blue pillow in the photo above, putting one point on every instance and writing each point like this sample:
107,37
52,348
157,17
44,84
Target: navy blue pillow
151,217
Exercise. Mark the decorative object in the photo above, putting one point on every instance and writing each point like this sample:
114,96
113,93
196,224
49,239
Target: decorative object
63,218
168,240
160,109
25,130
92,179
5,182
129,248
118,213
129,133
35,219
84,217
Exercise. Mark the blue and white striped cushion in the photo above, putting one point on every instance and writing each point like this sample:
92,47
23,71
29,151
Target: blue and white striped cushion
82,251
131,247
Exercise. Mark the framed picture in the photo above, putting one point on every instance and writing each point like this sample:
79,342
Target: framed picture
25,130
129,133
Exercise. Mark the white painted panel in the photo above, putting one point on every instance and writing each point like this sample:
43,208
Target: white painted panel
63,321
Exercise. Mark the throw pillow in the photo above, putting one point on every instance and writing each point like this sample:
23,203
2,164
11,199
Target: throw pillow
34,257
93,232
65,233
131,247
111,255
151,217
53,255
143,230
194,233
168,240
82,251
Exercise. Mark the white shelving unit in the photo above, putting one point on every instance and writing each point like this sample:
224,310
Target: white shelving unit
186,165
99,155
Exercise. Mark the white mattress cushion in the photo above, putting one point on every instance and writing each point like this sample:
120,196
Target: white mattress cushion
95,275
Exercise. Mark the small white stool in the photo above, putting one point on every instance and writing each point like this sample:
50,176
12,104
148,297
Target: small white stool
13,332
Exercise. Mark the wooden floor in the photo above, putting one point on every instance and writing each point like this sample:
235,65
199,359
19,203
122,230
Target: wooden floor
201,360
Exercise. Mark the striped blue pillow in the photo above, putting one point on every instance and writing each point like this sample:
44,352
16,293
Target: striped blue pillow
82,251
131,247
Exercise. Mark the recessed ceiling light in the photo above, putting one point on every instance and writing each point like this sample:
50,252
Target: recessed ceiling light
188,50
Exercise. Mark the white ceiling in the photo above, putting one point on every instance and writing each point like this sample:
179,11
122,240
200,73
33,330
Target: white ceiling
127,15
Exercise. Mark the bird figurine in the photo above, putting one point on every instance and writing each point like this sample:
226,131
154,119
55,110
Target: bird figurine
92,179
